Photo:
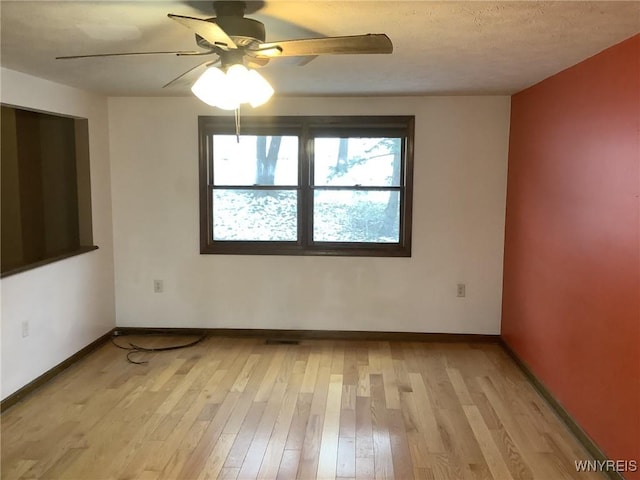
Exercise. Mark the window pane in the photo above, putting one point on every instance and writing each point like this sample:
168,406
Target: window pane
356,216
255,215
357,161
256,160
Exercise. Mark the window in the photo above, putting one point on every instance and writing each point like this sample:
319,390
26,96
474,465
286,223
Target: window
306,185
46,188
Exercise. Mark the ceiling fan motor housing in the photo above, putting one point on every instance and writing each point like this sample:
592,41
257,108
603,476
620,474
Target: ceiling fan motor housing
243,31
230,17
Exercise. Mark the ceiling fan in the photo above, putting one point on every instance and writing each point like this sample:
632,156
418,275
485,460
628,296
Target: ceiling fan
235,40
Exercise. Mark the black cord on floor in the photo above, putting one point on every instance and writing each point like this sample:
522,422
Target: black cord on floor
133,348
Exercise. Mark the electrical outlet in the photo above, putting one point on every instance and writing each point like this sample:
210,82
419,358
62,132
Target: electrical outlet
25,329
158,286
462,290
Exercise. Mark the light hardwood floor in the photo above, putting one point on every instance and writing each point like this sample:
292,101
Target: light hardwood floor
239,409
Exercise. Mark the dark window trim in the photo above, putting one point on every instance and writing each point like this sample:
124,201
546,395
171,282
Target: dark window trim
307,127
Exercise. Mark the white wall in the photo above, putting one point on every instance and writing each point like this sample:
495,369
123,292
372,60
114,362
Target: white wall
69,303
458,224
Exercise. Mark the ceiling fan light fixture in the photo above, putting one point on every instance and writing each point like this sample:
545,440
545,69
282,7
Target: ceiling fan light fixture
261,91
209,86
228,90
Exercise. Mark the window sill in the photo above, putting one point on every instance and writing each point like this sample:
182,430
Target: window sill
47,261
267,248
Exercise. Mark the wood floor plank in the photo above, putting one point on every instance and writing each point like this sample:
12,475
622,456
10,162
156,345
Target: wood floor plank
255,455
245,374
350,370
426,417
401,454
19,468
213,464
445,467
201,453
391,393
364,429
328,456
187,433
288,465
308,465
348,411
489,449
459,386
175,464
364,385
247,398
149,475
62,464
245,436
138,459
413,429
383,456
275,448
512,456
295,438
365,468
136,454
231,408
228,473
311,372
458,438
337,359
167,374
346,457
507,417
375,358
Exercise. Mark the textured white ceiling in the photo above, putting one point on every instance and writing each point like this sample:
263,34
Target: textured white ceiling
445,47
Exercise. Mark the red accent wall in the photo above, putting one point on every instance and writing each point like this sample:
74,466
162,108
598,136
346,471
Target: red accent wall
571,301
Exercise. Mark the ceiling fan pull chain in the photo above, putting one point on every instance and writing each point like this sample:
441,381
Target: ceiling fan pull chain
237,115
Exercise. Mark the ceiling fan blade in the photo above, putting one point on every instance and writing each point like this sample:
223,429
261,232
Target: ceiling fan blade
132,54
371,43
186,76
266,50
210,31
302,61
295,61
255,62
